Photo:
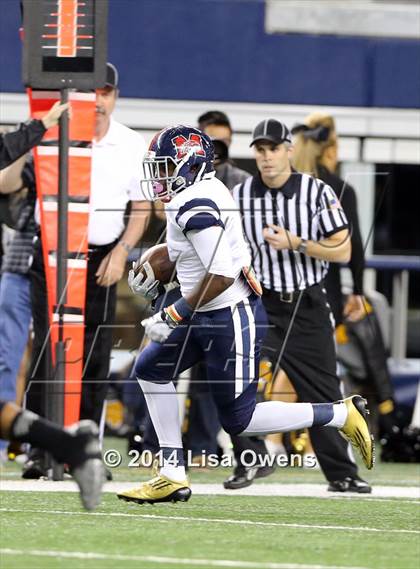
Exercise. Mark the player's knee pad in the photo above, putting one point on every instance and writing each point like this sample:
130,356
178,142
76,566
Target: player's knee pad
235,416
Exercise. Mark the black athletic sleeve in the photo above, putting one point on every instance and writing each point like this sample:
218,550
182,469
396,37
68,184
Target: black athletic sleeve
357,260
15,144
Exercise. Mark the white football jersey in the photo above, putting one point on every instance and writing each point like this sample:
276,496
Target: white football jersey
207,204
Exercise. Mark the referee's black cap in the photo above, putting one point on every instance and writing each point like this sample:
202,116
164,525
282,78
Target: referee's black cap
111,76
271,130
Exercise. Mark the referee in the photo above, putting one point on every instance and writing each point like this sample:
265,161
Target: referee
295,226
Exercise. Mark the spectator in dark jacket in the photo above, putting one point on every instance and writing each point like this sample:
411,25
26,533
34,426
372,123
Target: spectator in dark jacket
15,144
17,177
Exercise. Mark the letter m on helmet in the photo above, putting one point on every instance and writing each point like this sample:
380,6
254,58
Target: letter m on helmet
183,145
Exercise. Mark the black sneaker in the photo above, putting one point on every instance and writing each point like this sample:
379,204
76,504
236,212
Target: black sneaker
34,468
264,471
350,485
241,478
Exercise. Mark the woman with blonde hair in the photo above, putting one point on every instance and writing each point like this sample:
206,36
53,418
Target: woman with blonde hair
316,153
315,144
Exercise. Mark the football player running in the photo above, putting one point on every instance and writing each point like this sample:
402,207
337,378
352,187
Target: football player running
219,319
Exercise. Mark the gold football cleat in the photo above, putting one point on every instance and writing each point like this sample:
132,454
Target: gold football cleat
356,428
158,489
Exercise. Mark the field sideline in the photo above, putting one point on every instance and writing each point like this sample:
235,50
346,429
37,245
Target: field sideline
257,489
287,521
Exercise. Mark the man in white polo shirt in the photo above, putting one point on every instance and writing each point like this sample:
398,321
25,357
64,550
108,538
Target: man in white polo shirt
117,155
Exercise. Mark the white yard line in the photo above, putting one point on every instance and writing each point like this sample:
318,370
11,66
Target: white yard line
395,500
192,519
169,560
275,489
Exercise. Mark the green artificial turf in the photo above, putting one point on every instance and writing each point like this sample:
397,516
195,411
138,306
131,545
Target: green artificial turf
50,530
206,528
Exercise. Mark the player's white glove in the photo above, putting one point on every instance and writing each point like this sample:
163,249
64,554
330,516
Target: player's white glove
160,325
146,286
156,327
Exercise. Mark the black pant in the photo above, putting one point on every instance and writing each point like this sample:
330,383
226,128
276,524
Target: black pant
241,444
99,316
309,360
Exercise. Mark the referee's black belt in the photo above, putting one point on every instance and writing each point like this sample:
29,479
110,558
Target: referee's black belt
101,248
288,297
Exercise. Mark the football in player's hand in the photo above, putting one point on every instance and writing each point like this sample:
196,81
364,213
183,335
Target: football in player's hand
158,257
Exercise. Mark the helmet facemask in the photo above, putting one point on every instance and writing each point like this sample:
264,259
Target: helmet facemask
164,176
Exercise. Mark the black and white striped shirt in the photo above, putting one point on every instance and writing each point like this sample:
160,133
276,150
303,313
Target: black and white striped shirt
303,205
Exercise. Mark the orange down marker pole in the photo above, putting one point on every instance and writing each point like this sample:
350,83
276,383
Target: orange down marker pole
81,131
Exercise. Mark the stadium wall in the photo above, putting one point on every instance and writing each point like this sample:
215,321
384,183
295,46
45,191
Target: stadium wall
366,134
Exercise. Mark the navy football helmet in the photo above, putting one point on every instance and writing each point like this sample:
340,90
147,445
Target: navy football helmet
178,157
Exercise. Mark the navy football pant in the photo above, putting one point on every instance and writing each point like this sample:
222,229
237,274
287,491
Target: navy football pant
228,340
